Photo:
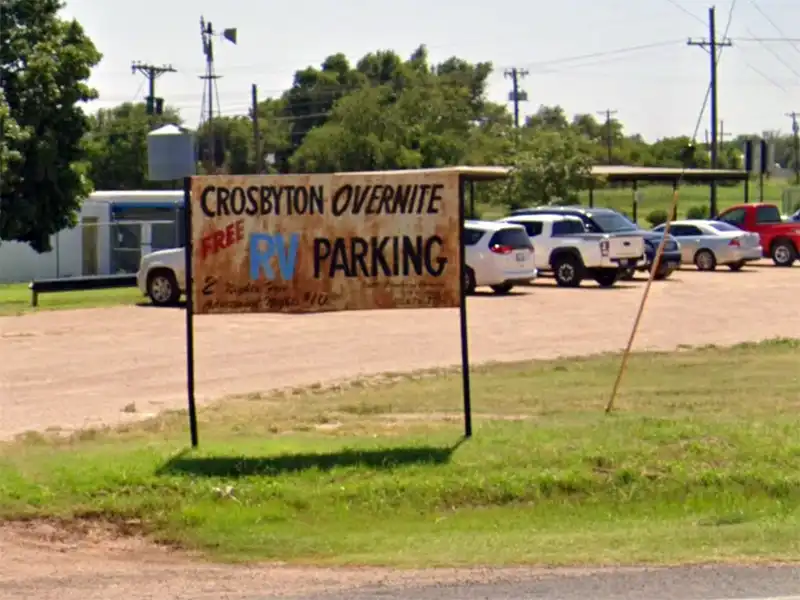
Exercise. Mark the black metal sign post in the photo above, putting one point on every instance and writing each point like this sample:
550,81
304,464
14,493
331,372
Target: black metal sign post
189,285
462,312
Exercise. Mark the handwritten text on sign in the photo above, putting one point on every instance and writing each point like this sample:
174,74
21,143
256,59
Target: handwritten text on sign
309,243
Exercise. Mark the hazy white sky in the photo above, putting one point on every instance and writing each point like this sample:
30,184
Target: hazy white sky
658,91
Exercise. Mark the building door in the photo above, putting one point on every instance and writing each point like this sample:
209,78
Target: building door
89,233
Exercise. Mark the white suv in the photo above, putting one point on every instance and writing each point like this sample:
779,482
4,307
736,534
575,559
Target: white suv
499,255
161,276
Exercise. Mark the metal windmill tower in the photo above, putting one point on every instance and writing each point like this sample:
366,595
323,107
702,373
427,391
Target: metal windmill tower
211,149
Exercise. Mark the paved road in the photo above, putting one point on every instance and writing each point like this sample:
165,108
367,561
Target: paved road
682,583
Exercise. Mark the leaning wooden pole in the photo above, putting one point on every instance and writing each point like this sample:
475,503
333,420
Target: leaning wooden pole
656,260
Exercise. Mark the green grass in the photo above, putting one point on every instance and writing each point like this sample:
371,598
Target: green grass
659,197
15,299
699,464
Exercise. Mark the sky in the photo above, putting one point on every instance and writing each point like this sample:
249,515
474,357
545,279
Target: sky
587,56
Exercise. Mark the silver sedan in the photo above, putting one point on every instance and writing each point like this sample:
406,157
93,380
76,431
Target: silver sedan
707,244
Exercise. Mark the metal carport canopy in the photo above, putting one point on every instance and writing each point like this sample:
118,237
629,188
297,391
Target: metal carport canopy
625,173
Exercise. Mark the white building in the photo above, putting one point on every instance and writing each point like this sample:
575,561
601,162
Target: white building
114,230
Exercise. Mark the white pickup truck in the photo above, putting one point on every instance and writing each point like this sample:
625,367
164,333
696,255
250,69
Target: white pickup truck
562,245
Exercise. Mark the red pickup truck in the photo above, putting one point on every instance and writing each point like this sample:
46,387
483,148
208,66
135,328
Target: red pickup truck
780,239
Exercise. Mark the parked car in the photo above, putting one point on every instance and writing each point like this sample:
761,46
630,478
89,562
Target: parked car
161,276
794,217
498,255
563,246
605,220
780,240
708,244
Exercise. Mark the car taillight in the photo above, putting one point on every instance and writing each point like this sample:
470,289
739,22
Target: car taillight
604,247
735,243
500,249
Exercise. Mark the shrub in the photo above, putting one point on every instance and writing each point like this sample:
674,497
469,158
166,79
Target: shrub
477,215
657,217
697,212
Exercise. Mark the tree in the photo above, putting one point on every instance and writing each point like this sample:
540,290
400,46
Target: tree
548,166
315,91
10,159
411,116
116,146
45,62
236,136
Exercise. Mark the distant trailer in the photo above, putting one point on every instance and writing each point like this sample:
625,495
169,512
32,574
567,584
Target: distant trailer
114,230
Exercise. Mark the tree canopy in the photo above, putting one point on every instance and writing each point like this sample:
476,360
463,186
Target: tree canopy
382,112
45,62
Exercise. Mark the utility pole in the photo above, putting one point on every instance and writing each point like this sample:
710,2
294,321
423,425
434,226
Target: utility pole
516,95
609,137
796,135
256,132
711,45
155,106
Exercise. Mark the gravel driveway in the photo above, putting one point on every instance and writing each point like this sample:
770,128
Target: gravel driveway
78,368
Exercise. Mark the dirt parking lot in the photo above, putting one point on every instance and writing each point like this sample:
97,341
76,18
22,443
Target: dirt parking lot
79,368
69,369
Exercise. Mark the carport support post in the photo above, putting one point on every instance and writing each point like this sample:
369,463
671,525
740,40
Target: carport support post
747,189
591,192
674,217
189,277
471,199
462,313
635,200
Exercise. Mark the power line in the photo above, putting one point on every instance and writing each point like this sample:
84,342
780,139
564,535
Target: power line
516,95
155,106
753,68
686,11
768,48
778,57
609,137
592,55
788,40
774,25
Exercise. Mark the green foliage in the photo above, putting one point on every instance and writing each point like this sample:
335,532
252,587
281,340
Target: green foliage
657,217
548,166
700,453
410,116
386,112
117,146
41,194
697,212
10,138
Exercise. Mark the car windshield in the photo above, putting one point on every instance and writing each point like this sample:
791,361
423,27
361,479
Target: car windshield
611,222
720,226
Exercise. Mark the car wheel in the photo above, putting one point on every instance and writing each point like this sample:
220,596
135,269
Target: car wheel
568,271
606,277
783,253
162,287
469,281
705,260
663,272
502,289
737,266
627,274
